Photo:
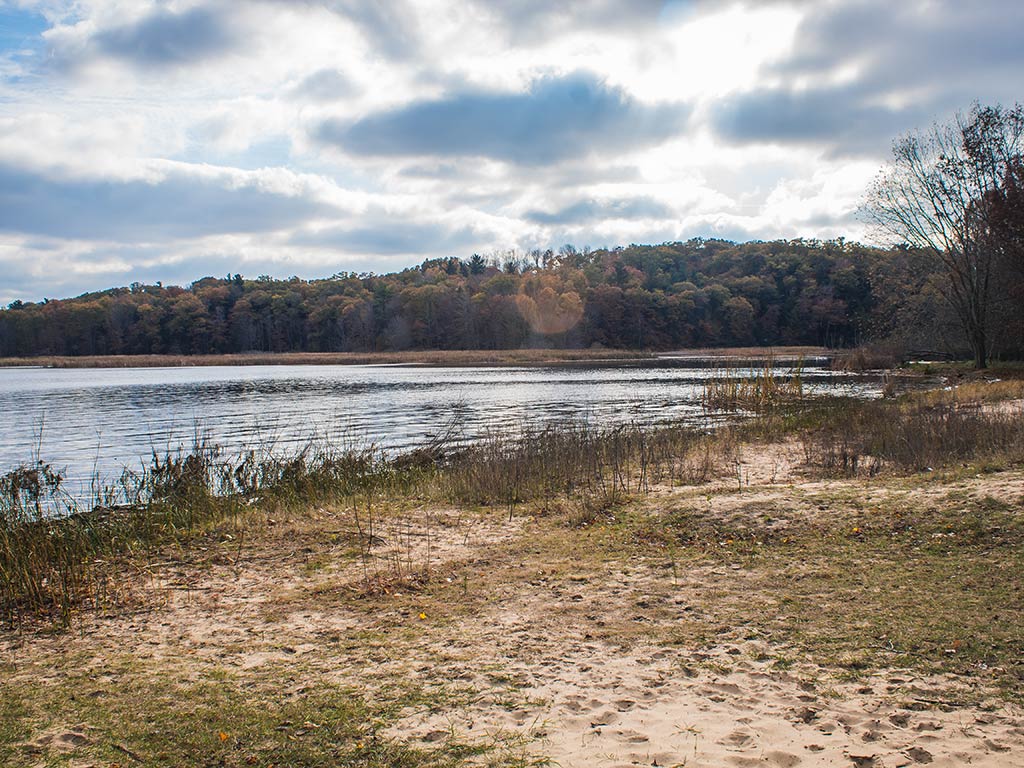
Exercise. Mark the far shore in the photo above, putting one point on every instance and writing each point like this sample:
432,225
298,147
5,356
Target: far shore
474,357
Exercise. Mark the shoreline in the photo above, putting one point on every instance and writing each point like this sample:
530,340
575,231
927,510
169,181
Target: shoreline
432,358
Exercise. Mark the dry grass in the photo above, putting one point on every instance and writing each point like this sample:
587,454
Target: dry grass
765,390
918,432
974,393
865,358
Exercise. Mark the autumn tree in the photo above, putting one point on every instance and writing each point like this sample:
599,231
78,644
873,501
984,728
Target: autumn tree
935,194
1006,218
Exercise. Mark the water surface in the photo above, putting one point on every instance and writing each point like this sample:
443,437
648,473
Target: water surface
90,420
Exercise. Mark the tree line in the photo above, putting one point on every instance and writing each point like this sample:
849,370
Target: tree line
699,293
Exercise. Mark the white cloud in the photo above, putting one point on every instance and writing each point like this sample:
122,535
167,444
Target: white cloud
143,139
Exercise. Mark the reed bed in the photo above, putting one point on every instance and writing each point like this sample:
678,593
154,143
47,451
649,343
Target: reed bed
766,389
59,553
578,459
872,357
919,432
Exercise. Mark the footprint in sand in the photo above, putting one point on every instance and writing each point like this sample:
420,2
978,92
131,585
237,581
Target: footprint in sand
919,755
633,737
520,716
575,705
782,759
995,746
62,742
900,719
805,715
624,705
605,718
739,739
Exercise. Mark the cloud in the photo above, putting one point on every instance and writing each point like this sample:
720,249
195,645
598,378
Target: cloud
851,83
533,21
557,118
160,39
324,85
390,29
396,237
921,42
178,205
843,118
590,210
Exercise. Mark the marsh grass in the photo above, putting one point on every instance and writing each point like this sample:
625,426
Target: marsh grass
871,357
576,459
59,553
917,432
766,389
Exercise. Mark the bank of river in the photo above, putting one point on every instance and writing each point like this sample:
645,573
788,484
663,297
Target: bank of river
102,419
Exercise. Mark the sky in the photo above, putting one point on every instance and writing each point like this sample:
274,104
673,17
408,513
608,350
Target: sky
166,141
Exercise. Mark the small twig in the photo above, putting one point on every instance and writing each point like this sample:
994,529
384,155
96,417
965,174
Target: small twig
940,702
125,750
892,649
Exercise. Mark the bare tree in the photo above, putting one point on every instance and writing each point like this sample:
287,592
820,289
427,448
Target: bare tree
935,195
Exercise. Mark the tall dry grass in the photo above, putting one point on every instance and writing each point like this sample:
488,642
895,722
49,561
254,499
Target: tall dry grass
59,553
914,433
766,389
576,458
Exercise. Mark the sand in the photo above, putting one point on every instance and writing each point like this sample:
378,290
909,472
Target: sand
563,662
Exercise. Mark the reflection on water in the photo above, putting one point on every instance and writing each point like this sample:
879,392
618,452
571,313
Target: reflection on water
99,420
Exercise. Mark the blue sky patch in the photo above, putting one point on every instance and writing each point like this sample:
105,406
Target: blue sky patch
20,30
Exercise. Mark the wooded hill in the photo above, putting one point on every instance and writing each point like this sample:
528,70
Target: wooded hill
693,294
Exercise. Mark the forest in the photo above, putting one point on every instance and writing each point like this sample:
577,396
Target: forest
699,293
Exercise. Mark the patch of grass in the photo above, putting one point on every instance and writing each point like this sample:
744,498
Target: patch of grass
871,357
914,433
862,587
972,393
576,459
131,716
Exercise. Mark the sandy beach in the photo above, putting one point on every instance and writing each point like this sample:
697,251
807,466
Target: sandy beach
540,637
